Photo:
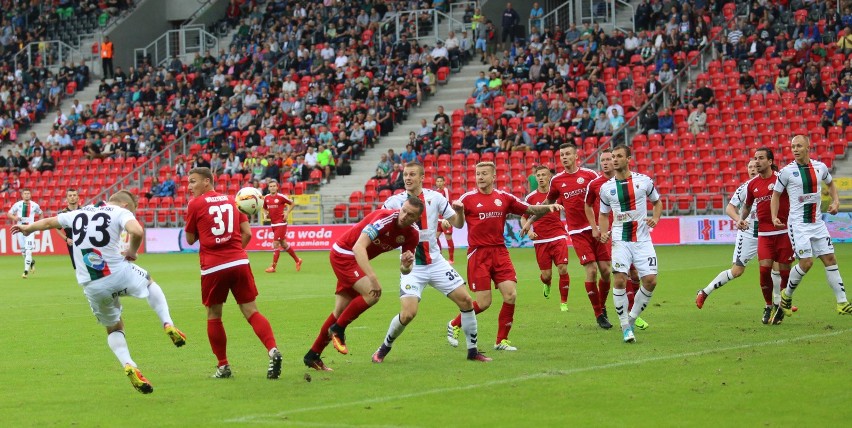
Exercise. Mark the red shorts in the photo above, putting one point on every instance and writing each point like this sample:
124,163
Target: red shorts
238,280
775,247
589,249
551,253
487,264
280,232
347,271
441,228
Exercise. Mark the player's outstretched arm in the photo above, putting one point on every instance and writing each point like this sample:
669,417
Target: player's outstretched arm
774,205
43,224
245,233
457,220
136,233
834,206
539,210
363,260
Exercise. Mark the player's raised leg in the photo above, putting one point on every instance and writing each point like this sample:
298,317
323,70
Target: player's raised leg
157,302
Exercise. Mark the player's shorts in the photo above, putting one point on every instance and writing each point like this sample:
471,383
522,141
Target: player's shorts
589,249
775,247
810,240
439,274
551,253
487,264
639,254
347,271
103,294
238,280
745,250
441,228
26,242
279,232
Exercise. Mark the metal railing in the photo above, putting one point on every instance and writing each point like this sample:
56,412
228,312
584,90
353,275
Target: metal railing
49,54
440,24
630,16
204,4
188,40
562,15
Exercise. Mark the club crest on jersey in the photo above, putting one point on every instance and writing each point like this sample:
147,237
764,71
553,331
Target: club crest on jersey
770,186
498,202
612,192
400,239
580,180
795,173
94,259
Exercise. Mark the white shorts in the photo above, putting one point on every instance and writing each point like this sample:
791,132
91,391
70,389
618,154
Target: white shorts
103,294
810,240
639,254
439,274
26,242
745,250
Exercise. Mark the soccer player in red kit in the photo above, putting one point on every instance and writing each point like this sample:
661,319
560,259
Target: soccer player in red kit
593,208
440,187
549,237
277,206
773,244
485,210
569,189
213,220
358,287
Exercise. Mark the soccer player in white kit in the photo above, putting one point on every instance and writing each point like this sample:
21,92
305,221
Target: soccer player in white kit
24,212
801,180
430,267
744,251
626,195
106,274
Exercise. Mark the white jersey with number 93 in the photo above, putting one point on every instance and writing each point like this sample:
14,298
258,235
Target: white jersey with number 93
96,232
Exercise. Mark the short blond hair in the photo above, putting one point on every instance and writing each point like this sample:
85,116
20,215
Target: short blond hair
488,165
125,197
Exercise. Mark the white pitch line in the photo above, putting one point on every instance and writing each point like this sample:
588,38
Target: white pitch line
262,417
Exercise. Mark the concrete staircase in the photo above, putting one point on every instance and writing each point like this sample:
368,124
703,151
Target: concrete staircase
452,96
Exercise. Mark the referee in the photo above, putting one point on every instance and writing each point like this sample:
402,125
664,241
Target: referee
72,199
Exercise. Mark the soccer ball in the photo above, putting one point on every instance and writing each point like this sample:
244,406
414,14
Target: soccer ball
249,200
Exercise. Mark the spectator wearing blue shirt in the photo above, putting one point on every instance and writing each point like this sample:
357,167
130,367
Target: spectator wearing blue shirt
665,122
409,155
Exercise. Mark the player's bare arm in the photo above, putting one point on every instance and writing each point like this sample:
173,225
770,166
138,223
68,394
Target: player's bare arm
834,206
43,224
533,218
136,233
656,214
363,260
774,205
590,217
603,226
406,262
732,212
13,217
458,207
245,233
540,210
191,238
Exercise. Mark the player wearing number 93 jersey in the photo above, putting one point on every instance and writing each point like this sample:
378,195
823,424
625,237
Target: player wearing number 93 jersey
213,220
106,274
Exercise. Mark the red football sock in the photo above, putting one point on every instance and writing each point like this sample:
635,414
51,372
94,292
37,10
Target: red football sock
451,247
275,255
507,315
218,339
456,322
766,283
322,339
263,330
541,277
603,292
353,310
564,286
632,288
292,253
785,276
592,291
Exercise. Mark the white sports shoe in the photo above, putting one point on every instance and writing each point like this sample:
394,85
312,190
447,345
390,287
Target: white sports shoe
505,345
453,334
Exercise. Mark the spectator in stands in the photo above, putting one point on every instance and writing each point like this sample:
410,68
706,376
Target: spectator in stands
273,171
300,170
383,168
747,84
509,21
814,91
697,120
470,142
665,121
704,95
602,125
782,82
394,180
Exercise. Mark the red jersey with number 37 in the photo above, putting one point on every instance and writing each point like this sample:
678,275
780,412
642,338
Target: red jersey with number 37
384,232
549,227
486,216
569,189
275,204
593,194
759,192
215,220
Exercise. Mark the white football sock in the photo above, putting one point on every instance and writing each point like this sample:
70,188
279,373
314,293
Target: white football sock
118,343
721,279
796,275
776,287
640,301
394,330
832,273
470,328
619,299
157,301
28,259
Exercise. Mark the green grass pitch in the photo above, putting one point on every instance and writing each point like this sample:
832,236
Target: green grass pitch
716,366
